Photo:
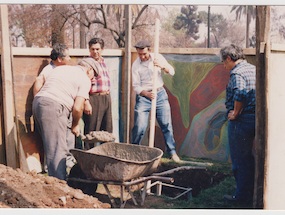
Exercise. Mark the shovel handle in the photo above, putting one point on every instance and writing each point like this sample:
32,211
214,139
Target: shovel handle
82,136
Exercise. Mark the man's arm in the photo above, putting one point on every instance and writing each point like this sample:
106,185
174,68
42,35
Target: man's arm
39,82
77,111
162,63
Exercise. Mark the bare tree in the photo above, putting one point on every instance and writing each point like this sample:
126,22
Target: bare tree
277,25
109,18
57,23
30,25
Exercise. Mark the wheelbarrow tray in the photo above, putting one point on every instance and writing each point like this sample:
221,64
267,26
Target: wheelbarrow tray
120,162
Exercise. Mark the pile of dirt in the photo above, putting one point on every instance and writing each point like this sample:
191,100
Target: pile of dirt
32,190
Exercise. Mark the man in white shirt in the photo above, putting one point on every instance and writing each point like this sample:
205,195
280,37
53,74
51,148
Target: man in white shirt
142,73
65,91
59,56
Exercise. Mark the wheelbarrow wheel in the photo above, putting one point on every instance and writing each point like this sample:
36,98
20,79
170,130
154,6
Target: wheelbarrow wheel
77,173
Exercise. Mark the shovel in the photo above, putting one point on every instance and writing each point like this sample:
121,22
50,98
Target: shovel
97,136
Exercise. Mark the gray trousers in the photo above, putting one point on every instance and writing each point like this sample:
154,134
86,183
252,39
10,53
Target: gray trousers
52,118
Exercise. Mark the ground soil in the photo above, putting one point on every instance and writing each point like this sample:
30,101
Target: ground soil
32,190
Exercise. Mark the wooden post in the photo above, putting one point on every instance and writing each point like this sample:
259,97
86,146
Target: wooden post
262,37
127,74
154,90
154,87
10,133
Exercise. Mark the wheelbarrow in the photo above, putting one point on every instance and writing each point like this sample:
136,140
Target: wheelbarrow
117,162
122,164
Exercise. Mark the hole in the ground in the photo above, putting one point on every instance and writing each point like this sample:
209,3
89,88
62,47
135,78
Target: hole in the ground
197,179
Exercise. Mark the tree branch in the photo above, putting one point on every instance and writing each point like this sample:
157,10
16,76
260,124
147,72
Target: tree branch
139,15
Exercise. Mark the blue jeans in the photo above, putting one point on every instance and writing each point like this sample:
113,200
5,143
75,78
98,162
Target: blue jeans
163,117
241,133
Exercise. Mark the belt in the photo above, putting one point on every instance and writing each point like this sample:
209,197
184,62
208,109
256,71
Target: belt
157,90
248,111
101,93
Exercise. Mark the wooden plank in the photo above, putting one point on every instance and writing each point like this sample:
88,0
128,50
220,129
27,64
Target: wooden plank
10,133
278,47
262,35
154,87
198,51
20,51
126,75
2,145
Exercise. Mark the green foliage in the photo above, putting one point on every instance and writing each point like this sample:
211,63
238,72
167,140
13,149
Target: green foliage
218,27
210,198
249,12
244,10
188,20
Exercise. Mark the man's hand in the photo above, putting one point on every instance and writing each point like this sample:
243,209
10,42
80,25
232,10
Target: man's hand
75,130
148,94
157,63
232,115
87,107
77,111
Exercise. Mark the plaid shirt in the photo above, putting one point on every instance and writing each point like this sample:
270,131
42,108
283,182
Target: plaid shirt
241,87
101,81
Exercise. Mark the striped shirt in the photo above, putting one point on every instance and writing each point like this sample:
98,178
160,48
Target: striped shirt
241,87
101,81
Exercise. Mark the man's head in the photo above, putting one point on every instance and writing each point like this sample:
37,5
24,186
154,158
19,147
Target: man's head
96,46
90,64
230,54
60,54
143,49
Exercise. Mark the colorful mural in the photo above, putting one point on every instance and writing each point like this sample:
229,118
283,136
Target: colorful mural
197,95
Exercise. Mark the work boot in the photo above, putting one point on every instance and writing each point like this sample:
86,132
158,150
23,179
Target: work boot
175,158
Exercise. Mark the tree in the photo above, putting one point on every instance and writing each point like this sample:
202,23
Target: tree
30,25
277,25
188,20
43,25
58,23
218,27
171,38
109,18
249,12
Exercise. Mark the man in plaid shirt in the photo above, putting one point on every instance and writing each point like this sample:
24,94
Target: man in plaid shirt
240,104
98,110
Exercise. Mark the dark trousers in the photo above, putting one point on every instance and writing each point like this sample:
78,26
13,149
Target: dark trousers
241,133
101,117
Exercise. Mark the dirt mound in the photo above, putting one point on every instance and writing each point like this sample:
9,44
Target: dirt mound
32,190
